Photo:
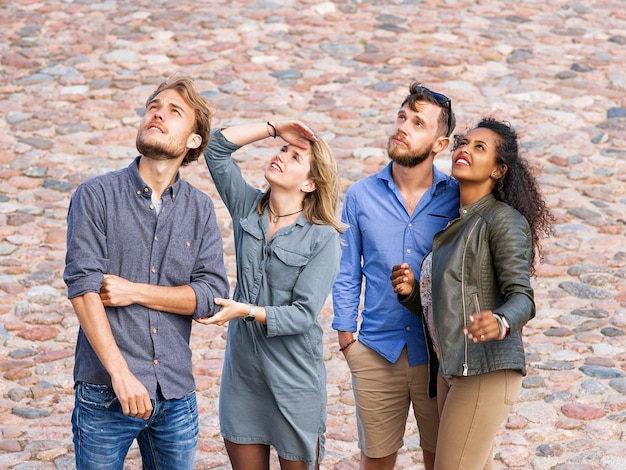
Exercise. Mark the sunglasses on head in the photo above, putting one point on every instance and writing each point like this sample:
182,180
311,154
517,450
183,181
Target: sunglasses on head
442,100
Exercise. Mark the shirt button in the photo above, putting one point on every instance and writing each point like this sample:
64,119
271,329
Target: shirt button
156,361
154,330
410,224
153,270
145,190
464,211
187,244
151,206
408,328
408,250
138,192
156,237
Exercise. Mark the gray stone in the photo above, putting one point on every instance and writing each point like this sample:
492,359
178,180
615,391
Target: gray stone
30,413
618,384
584,291
600,372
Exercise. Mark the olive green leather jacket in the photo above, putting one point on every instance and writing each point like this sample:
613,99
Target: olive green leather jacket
481,261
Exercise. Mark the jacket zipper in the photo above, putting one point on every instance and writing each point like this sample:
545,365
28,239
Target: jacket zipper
465,319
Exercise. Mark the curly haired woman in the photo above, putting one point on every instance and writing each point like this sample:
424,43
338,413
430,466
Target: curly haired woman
475,295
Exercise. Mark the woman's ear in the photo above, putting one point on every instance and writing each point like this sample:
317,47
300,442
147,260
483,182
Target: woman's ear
308,187
499,172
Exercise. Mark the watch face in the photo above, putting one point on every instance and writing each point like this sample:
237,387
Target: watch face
251,315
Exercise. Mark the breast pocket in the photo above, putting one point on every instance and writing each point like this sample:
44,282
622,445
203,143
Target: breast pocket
285,267
180,260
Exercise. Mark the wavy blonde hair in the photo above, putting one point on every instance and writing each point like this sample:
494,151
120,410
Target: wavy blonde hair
320,205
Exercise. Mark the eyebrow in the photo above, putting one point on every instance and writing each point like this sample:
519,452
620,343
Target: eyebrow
171,104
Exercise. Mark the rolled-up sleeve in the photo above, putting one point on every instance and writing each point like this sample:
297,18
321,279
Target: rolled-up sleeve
86,258
209,278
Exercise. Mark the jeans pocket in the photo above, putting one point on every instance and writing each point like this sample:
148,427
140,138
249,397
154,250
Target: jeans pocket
93,395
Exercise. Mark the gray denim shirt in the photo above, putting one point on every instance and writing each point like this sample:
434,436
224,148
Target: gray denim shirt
113,228
290,275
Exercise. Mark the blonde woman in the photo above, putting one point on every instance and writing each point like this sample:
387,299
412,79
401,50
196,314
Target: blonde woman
273,388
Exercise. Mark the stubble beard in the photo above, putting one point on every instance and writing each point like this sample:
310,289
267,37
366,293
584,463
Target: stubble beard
156,150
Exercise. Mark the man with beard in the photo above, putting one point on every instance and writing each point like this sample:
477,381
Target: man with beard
144,258
392,217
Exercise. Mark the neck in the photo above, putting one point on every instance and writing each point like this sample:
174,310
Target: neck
413,179
277,216
158,174
469,193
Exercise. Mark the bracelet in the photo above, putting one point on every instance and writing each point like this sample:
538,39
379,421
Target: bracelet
342,348
502,325
273,128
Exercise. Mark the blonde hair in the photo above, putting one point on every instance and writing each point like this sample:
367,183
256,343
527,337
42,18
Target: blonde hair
185,86
320,205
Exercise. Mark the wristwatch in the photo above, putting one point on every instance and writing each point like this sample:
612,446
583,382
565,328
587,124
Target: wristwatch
251,315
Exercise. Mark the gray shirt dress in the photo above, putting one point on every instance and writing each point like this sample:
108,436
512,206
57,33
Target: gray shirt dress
273,385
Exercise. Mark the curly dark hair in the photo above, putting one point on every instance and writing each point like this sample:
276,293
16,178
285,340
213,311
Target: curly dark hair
519,187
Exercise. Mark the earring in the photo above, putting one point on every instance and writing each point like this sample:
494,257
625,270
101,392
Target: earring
493,176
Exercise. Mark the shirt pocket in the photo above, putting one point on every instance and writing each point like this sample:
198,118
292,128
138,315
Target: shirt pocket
285,268
180,261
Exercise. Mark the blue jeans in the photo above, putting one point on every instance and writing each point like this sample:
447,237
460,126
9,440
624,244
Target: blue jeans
103,434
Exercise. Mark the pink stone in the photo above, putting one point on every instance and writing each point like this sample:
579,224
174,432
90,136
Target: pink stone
54,355
549,270
582,412
568,377
210,445
39,333
203,383
514,456
516,422
17,373
208,367
24,182
10,445
56,236
372,58
600,361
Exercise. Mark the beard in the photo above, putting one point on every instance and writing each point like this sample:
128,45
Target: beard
158,150
407,157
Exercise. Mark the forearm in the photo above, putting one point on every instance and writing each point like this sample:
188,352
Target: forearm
180,300
95,324
247,133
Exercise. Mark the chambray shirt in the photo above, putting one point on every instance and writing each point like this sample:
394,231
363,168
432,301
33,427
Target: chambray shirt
380,235
113,228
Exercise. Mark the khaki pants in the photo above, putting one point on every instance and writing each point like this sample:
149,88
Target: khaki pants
471,410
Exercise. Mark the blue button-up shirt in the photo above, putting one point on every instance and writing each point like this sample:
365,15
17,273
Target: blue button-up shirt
113,228
381,234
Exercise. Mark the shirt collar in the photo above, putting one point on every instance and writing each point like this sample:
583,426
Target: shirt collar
141,188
